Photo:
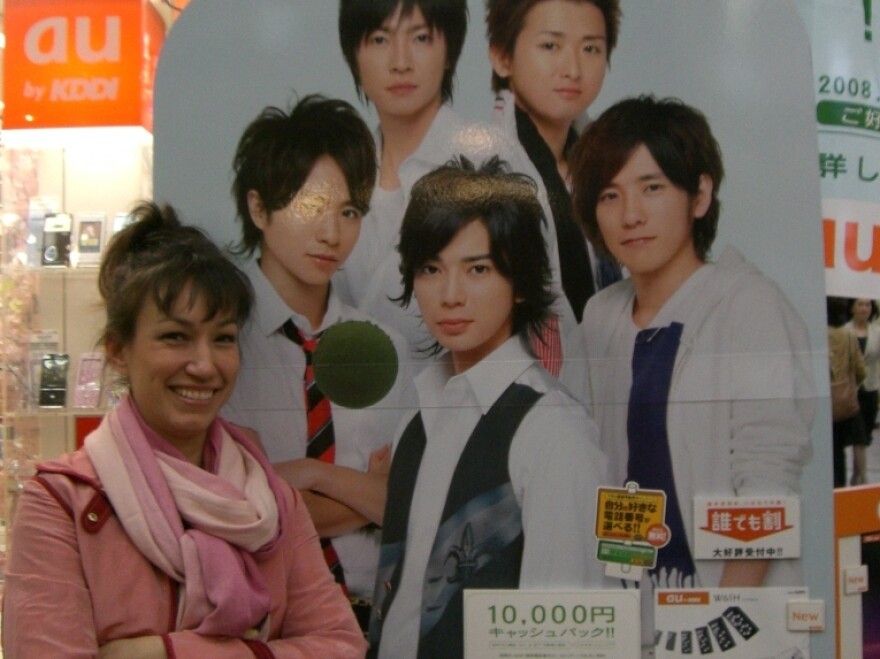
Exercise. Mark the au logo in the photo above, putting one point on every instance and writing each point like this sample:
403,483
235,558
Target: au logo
47,41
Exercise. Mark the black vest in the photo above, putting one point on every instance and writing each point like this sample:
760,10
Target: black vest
479,542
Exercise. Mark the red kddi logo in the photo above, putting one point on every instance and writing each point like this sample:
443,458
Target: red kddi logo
48,41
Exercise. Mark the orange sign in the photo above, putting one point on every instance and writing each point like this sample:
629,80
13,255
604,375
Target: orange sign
682,598
746,523
71,63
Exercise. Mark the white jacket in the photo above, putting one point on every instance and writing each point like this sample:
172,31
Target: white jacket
741,400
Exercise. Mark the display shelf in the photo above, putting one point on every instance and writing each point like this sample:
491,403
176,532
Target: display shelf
93,174
16,317
59,302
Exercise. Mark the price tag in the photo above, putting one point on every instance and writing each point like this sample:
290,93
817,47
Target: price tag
589,624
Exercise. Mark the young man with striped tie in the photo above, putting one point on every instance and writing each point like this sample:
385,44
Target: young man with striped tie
303,180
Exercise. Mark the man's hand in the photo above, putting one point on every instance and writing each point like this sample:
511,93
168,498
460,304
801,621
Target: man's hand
380,461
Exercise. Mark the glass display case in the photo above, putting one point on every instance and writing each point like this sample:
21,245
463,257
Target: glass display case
49,316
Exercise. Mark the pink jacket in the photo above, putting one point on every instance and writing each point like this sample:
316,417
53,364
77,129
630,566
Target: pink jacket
74,581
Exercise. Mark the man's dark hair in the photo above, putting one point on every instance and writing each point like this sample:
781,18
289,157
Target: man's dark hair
359,18
277,151
679,139
449,198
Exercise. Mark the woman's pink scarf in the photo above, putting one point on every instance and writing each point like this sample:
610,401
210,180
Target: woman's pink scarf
202,527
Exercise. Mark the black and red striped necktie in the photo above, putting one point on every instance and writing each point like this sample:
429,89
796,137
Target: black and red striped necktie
321,443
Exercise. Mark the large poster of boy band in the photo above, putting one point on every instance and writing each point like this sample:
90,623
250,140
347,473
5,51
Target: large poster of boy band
563,246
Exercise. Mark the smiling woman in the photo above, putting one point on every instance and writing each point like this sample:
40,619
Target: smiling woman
172,326
219,555
180,368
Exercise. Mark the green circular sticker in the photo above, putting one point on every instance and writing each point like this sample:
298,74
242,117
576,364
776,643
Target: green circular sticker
355,364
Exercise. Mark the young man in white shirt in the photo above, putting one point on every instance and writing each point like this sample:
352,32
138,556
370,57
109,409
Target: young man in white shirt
493,482
549,59
303,181
402,55
700,370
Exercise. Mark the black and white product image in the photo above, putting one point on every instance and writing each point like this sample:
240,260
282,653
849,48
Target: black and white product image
740,621
687,642
721,634
716,628
720,631
53,379
56,240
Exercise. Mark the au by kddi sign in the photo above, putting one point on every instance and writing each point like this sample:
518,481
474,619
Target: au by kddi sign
71,63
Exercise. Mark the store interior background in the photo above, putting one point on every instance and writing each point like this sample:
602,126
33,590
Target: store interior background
75,171
80,171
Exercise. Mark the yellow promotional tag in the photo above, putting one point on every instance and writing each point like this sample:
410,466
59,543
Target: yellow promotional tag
630,525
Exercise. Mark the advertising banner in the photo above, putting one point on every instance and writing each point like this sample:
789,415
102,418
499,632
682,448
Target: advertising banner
744,415
74,64
845,39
